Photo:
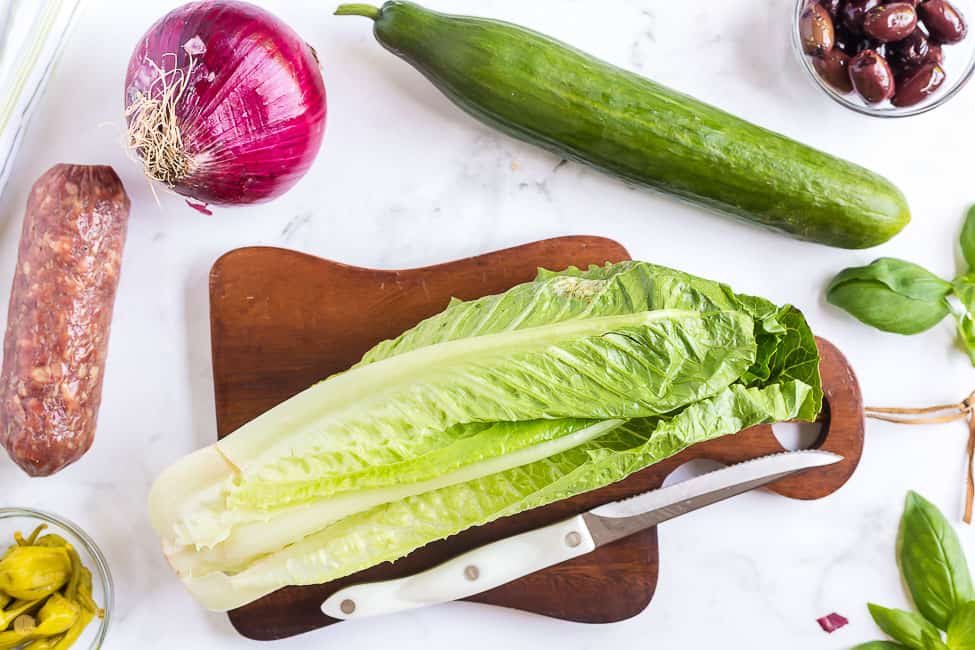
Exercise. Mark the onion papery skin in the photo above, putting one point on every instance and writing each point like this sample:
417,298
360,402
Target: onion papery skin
251,106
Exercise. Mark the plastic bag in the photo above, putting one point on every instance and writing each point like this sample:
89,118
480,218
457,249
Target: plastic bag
32,34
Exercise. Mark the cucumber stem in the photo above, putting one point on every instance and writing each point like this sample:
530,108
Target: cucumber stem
357,9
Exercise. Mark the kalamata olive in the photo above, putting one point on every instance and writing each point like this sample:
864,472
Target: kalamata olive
853,11
913,3
919,85
871,76
843,46
935,54
945,23
833,69
899,70
833,7
844,41
816,30
889,23
909,52
852,44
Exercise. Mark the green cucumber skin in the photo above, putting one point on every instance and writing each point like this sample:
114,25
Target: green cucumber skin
542,91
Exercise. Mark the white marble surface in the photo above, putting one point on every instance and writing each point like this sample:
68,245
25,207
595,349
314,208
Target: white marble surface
405,179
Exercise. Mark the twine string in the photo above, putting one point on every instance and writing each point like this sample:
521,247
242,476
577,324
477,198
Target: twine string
941,414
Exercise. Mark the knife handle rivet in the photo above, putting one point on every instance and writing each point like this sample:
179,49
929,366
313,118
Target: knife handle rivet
573,539
347,606
472,573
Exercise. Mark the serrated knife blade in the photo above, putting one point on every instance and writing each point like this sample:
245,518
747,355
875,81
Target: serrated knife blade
620,519
511,558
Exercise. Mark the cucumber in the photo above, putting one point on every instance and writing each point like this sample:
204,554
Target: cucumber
542,91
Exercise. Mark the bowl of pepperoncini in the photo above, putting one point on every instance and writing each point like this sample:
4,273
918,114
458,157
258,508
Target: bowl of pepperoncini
55,587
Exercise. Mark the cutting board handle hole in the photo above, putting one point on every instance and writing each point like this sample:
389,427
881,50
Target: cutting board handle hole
798,435
692,468
803,435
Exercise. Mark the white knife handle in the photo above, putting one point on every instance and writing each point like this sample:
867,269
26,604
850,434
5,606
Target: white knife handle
479,570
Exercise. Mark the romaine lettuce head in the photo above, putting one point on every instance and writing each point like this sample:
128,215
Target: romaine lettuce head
494,406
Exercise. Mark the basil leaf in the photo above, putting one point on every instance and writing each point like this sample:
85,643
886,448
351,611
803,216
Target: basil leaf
961,629
968,238
907,627
932,641
891,295
964,289
965,325
903,278
932,561
880,645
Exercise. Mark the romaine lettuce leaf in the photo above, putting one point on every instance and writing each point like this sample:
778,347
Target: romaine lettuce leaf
463,445
786,347
614,289
392,530
256,533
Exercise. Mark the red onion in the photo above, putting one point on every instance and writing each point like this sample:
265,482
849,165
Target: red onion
225,103
832,622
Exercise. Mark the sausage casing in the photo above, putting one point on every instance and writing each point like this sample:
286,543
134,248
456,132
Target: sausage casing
59,316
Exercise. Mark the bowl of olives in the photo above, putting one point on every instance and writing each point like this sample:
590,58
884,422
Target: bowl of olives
55,587
886,58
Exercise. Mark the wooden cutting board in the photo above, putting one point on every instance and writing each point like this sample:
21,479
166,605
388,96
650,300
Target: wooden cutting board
282,320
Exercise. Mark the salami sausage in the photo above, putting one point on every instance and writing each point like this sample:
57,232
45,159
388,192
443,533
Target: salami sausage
59,316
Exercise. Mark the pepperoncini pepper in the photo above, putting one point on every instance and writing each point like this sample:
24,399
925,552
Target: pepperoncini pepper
44,644
30,541
58,616
72,635
17,608
32,572
46,597
51,539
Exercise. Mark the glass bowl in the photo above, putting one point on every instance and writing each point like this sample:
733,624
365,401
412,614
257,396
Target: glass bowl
959,66
26,520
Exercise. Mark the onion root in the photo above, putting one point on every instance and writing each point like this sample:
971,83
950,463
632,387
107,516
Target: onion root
154,130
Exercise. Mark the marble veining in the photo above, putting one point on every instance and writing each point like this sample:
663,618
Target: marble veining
406,179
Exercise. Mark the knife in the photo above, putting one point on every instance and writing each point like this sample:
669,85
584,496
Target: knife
514,557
